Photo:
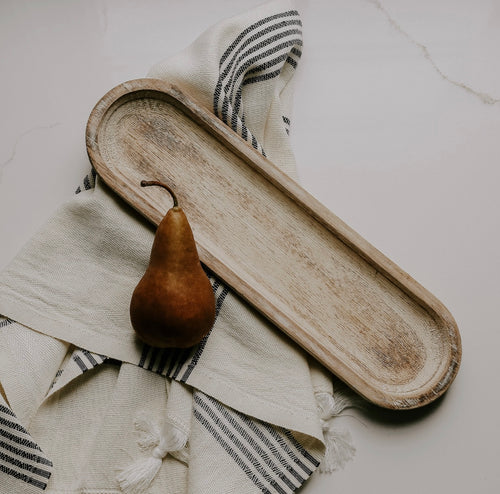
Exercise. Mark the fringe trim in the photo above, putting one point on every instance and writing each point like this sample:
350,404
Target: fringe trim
338,442
136,478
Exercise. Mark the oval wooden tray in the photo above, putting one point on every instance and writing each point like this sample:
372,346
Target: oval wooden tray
298,264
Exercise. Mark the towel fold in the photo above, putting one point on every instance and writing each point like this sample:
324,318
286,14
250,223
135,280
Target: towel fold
238,412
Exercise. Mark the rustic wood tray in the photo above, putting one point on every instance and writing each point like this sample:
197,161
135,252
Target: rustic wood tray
298,264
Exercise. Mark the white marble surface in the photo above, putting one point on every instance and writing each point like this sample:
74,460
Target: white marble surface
396,129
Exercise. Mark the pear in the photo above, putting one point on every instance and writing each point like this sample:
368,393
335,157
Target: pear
173,305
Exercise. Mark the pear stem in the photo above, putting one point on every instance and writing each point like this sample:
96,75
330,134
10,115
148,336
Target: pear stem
147,183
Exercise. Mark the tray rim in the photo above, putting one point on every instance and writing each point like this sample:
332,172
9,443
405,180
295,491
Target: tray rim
186,103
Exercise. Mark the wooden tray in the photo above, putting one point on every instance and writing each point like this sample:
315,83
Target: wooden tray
298,264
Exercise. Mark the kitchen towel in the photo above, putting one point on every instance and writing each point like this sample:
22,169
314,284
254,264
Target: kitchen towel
246,410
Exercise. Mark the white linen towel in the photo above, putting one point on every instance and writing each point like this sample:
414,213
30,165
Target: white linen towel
245,410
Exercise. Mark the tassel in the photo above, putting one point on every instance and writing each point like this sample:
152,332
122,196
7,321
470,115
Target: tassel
338,442
339,450
149,432
136,478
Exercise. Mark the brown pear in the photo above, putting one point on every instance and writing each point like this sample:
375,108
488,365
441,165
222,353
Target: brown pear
173,305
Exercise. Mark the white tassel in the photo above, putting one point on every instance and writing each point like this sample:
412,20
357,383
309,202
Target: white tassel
339,450
136,478
149,432
338,442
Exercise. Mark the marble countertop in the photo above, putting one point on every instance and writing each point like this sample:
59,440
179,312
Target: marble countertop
395,129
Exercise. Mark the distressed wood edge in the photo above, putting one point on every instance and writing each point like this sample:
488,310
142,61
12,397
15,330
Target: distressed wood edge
188,105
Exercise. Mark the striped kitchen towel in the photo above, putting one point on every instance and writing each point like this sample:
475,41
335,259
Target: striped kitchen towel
22,462
245,410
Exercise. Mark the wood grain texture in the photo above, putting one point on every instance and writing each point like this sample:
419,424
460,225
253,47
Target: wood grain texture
297,263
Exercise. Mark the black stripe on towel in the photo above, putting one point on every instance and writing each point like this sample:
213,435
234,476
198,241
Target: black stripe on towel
249,443
20,456
86,360
88,181
259,431
5,321
24,454
295,454
22,476
253,27
230,451
260,51
268,44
